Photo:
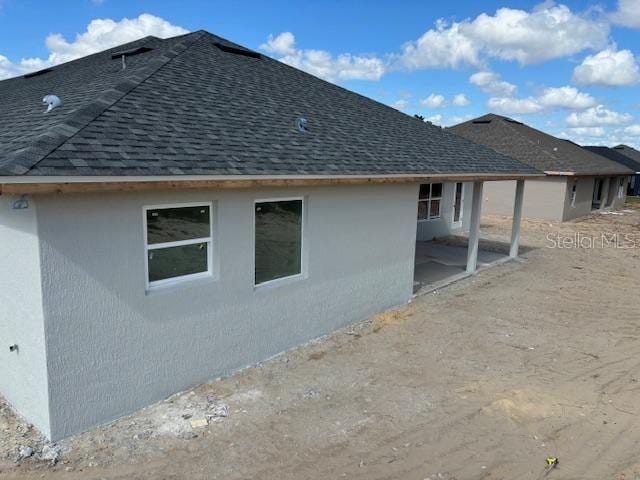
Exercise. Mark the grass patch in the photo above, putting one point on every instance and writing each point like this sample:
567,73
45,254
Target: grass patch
633,200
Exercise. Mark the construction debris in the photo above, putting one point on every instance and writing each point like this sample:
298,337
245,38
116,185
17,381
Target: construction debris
24,451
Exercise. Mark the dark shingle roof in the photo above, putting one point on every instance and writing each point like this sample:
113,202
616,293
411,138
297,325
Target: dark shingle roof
191,107
631,156
617,156
535,148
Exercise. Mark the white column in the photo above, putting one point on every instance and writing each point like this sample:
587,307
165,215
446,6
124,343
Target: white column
517,217
474,229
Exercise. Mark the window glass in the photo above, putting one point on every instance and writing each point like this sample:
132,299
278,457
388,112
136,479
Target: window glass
457,203
424,191
174,224
178,242
434,209
278,240
178,261
423,210
429,201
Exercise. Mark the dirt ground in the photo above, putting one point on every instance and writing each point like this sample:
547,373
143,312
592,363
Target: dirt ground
481,380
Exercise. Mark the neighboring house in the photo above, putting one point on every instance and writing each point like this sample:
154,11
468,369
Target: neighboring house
577,181
193,207
627,156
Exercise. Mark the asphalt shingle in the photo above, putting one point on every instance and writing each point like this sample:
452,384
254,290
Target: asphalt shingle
535,148
189,107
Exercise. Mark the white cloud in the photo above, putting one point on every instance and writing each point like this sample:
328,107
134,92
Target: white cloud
460,100
444,46
633,130
609,68
435,119
597,117
549,99
566,97
514,106
589,131
627,14
490,82
321,63
433,101
101,34
549,31
282,45
400,104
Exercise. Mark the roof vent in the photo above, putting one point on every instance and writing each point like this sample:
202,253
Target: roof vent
51,101
237,50
481,121
130,53
511,120
618,148
301,123
38,73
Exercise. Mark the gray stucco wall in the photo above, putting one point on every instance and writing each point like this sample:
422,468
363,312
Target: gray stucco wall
443,226
584,196
114,348
23,374
543,198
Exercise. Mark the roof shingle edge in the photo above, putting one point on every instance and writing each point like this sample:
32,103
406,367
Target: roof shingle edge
21,161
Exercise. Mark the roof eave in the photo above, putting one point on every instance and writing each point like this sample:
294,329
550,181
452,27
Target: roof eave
586,174
49,185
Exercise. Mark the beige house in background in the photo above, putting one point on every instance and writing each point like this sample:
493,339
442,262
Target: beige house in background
577,180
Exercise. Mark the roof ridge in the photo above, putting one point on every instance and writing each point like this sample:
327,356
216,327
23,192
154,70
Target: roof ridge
21,161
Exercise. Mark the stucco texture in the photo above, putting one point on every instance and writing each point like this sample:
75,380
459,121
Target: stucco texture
23,372
114,347
549,198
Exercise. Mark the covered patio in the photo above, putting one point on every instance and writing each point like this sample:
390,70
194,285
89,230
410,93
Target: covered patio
441,262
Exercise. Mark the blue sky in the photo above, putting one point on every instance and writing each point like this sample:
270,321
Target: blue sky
569,68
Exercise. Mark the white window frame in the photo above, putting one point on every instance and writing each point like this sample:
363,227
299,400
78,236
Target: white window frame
428,201
288,278
573,193
147,248
454,222
622,187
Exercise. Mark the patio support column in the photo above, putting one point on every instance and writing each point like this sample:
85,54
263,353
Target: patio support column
517,217
474,229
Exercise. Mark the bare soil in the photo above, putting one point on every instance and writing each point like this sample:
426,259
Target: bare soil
481,380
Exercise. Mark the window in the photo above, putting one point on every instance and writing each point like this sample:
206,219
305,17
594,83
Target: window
621,188
278,239
429,200
574,187
177,242
457,203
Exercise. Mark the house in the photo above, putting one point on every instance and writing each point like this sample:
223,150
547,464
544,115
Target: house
187,207
577,181
627,156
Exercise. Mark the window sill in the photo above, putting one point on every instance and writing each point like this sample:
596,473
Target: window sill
278,282
180,283
429,219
